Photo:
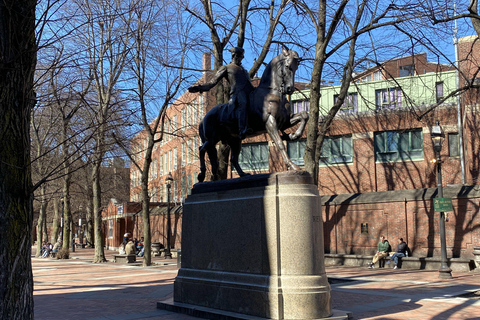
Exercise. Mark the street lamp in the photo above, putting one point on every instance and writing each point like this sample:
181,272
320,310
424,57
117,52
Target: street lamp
169,179
437,139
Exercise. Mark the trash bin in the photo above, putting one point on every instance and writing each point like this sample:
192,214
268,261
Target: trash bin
156,249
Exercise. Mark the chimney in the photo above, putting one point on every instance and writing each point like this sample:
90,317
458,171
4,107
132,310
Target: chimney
207,62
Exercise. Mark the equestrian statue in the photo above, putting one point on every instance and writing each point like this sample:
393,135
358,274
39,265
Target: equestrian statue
250,111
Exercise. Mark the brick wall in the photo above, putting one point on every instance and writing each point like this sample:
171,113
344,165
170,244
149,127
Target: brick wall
406,214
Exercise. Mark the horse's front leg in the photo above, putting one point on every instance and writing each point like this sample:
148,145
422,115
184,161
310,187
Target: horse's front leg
272,129
301,117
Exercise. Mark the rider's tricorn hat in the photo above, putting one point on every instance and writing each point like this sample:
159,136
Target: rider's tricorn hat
235,50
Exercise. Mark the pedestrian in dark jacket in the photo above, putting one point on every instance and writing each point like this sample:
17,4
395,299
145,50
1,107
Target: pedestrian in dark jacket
400,253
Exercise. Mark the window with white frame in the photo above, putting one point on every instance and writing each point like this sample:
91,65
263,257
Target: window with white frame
254,156
300,105
184,117
161,165
398,145
337,149
377,75
388,98
201,107
189,114
350,104
189,151
453,144
183,187
439,91
175,159
110,228
174,124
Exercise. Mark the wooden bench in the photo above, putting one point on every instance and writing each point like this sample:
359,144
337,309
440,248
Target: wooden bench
124,258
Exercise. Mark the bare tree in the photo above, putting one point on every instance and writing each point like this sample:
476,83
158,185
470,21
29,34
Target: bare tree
17,98
160,43
338,30
105,40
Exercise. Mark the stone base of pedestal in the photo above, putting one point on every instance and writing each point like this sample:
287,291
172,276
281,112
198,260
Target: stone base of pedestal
476,255
215,314
254,246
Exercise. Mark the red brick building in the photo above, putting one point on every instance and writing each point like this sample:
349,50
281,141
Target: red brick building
120,218
376,175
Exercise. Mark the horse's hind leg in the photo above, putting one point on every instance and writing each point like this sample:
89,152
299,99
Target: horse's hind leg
203,167
236,147
272,129
212,155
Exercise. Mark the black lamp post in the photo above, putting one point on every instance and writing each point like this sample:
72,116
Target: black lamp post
437,138
169,179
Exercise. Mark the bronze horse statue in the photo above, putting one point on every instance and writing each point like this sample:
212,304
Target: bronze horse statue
267,112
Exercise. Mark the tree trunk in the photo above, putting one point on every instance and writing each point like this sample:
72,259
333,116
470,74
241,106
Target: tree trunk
56,218
67,214
17,66
41,221
97,213
89,234
147,233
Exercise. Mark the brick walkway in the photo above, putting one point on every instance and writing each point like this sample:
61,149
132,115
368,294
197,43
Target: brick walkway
79,289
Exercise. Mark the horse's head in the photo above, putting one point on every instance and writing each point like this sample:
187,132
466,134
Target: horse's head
288,64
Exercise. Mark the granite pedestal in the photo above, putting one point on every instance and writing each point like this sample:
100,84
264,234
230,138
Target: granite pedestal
254,246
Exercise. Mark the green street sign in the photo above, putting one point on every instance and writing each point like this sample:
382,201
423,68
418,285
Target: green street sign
442,204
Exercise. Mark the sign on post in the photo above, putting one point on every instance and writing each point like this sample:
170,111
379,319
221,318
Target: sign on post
442,204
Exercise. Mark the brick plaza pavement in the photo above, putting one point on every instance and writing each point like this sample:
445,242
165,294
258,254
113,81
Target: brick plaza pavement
77,289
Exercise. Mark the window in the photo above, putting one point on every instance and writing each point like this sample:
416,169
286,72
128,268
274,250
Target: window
337,149
350,104
174,124
201,106
364,228
254,156
398,145
184,118
296,150
110,228
439,91
183,154
300,105
189,184
453,145
175,159
367,78
183,187
377,75
388,98
406,71
189,151
189,114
